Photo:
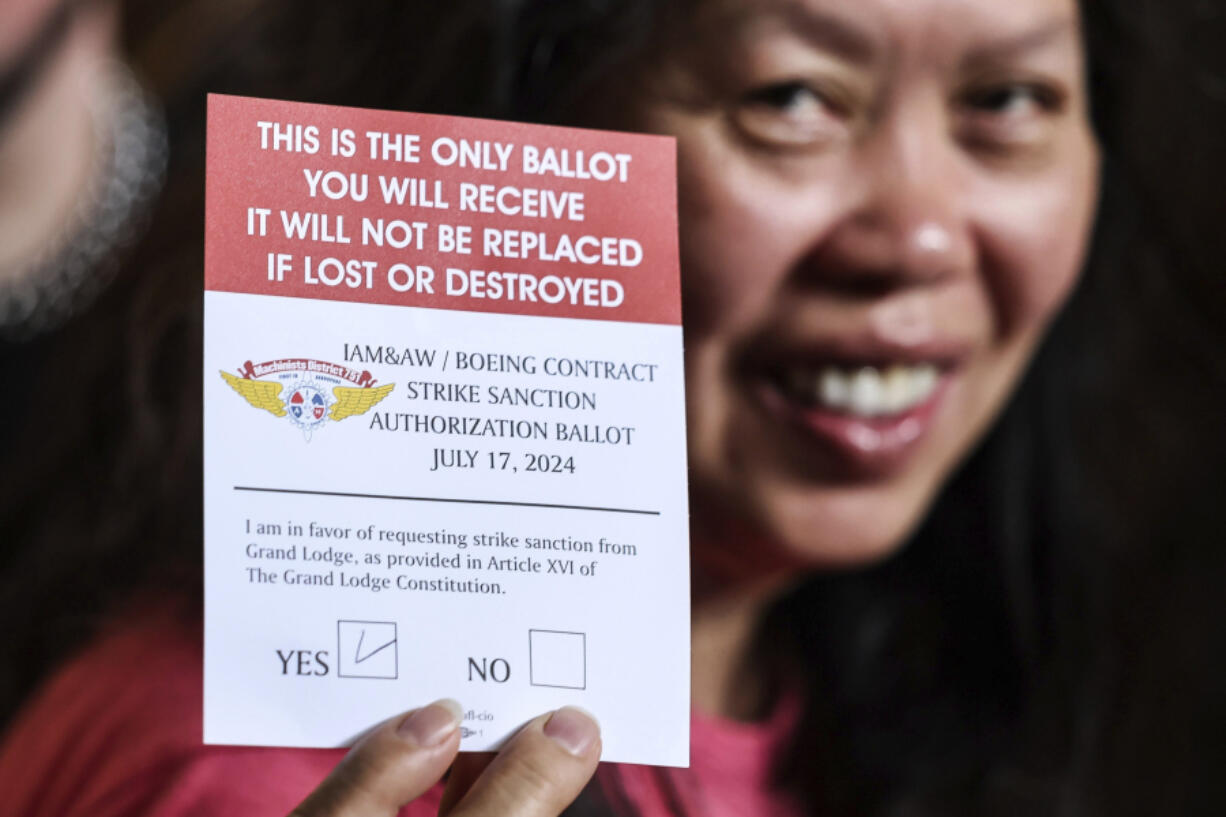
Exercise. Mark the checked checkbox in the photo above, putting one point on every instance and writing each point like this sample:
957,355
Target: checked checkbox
366,649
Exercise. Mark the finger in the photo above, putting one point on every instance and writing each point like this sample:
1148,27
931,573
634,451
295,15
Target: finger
540,771
392,765
464,772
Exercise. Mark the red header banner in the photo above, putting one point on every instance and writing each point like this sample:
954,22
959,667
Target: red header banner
385,207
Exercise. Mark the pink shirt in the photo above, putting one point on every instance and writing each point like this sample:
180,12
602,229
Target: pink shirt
117,733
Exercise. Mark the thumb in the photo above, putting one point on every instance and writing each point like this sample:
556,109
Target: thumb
393,765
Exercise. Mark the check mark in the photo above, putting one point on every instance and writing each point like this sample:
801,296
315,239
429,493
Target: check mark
357,655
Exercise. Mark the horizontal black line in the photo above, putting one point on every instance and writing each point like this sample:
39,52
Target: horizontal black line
446,499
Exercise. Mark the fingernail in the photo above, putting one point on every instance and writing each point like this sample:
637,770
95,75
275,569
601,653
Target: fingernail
431,725
574,729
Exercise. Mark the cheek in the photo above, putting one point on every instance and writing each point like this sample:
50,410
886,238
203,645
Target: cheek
744,229
1034,241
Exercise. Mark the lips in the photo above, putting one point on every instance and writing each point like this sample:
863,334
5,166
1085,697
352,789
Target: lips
867,404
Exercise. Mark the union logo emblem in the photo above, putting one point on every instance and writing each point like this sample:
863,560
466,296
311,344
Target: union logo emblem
315,391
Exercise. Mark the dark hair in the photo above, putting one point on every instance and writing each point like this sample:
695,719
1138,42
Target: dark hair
1051,639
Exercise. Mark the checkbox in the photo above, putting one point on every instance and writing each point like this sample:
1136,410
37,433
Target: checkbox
557,658
366,649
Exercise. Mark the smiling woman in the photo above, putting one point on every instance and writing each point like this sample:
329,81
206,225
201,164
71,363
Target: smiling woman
858,201
953,331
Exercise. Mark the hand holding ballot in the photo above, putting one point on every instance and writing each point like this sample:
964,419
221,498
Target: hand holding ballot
539,772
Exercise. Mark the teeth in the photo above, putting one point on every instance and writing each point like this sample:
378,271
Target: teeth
867,391
897,388
834,390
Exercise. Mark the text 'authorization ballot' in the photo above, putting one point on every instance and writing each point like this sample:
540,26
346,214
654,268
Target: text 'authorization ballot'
444,428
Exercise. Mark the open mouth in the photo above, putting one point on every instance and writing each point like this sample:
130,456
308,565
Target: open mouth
870,413
866,392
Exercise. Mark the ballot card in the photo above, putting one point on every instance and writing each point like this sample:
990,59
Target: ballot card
444,429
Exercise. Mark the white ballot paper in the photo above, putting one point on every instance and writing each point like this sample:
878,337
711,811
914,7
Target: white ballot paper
443,428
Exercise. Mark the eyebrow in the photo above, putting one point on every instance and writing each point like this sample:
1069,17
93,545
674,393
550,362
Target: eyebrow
1018,44
828,31
844,38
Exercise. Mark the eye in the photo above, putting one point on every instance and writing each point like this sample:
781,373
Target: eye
1014,100
790,114
1006,116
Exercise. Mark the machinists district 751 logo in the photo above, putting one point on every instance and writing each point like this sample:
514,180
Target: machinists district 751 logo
308,392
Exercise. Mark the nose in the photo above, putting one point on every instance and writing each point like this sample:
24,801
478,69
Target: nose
902,224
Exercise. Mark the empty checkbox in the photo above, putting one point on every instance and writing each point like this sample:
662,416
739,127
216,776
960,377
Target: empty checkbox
557,658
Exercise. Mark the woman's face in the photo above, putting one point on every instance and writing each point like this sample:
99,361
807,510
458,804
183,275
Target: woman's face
883,203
